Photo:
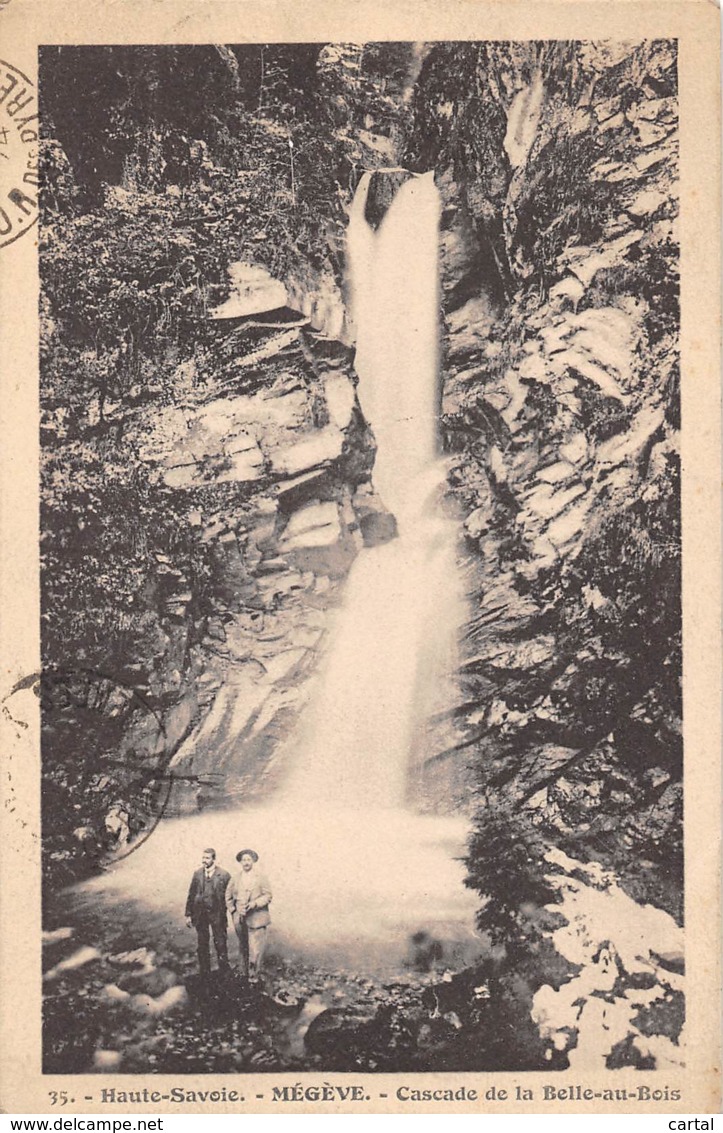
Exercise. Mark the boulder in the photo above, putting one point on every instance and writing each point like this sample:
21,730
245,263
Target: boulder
336,1030
142,982
317,524
106,1061
523,120
78,959
252,289
314,451
114,994
340,398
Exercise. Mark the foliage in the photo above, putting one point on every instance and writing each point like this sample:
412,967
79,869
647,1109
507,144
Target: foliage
561,200
173,160
105,521
505,865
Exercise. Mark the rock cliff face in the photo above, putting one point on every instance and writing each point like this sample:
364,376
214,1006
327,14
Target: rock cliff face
558,167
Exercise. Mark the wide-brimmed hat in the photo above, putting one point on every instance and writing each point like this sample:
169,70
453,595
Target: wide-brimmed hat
241,853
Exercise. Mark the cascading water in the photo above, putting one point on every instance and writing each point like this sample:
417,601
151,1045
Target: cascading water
394,635
395,307
354,872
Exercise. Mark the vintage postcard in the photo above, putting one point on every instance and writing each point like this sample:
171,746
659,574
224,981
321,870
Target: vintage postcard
360,559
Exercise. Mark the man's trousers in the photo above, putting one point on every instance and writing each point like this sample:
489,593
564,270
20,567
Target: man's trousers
220,940
252,945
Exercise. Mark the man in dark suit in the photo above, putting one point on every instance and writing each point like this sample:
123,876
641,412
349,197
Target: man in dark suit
206,910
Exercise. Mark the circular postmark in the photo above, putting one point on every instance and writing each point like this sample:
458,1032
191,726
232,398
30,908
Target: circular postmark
105,777
19,176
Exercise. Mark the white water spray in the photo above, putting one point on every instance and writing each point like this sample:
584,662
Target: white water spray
393,639
395,306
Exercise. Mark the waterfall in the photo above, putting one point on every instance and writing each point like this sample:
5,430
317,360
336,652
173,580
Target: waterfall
354,871
393,637
394,277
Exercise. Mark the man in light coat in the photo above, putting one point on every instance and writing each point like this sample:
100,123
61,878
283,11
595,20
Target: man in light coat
247,898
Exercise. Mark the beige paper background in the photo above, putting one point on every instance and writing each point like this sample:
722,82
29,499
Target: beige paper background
26,23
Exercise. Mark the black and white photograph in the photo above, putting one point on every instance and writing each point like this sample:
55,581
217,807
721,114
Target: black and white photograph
360,557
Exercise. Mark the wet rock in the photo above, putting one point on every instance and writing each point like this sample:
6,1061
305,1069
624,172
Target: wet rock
143,958
107,1061
173,999
336,1031
477,523
523,119
57,935
252,289
316,524
153,983
554,473
86,835
78,959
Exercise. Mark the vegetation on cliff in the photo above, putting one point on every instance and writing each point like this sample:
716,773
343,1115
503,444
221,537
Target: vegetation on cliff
560,158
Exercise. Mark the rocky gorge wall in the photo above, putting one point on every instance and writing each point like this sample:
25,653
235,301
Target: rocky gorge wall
558,168
264,454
